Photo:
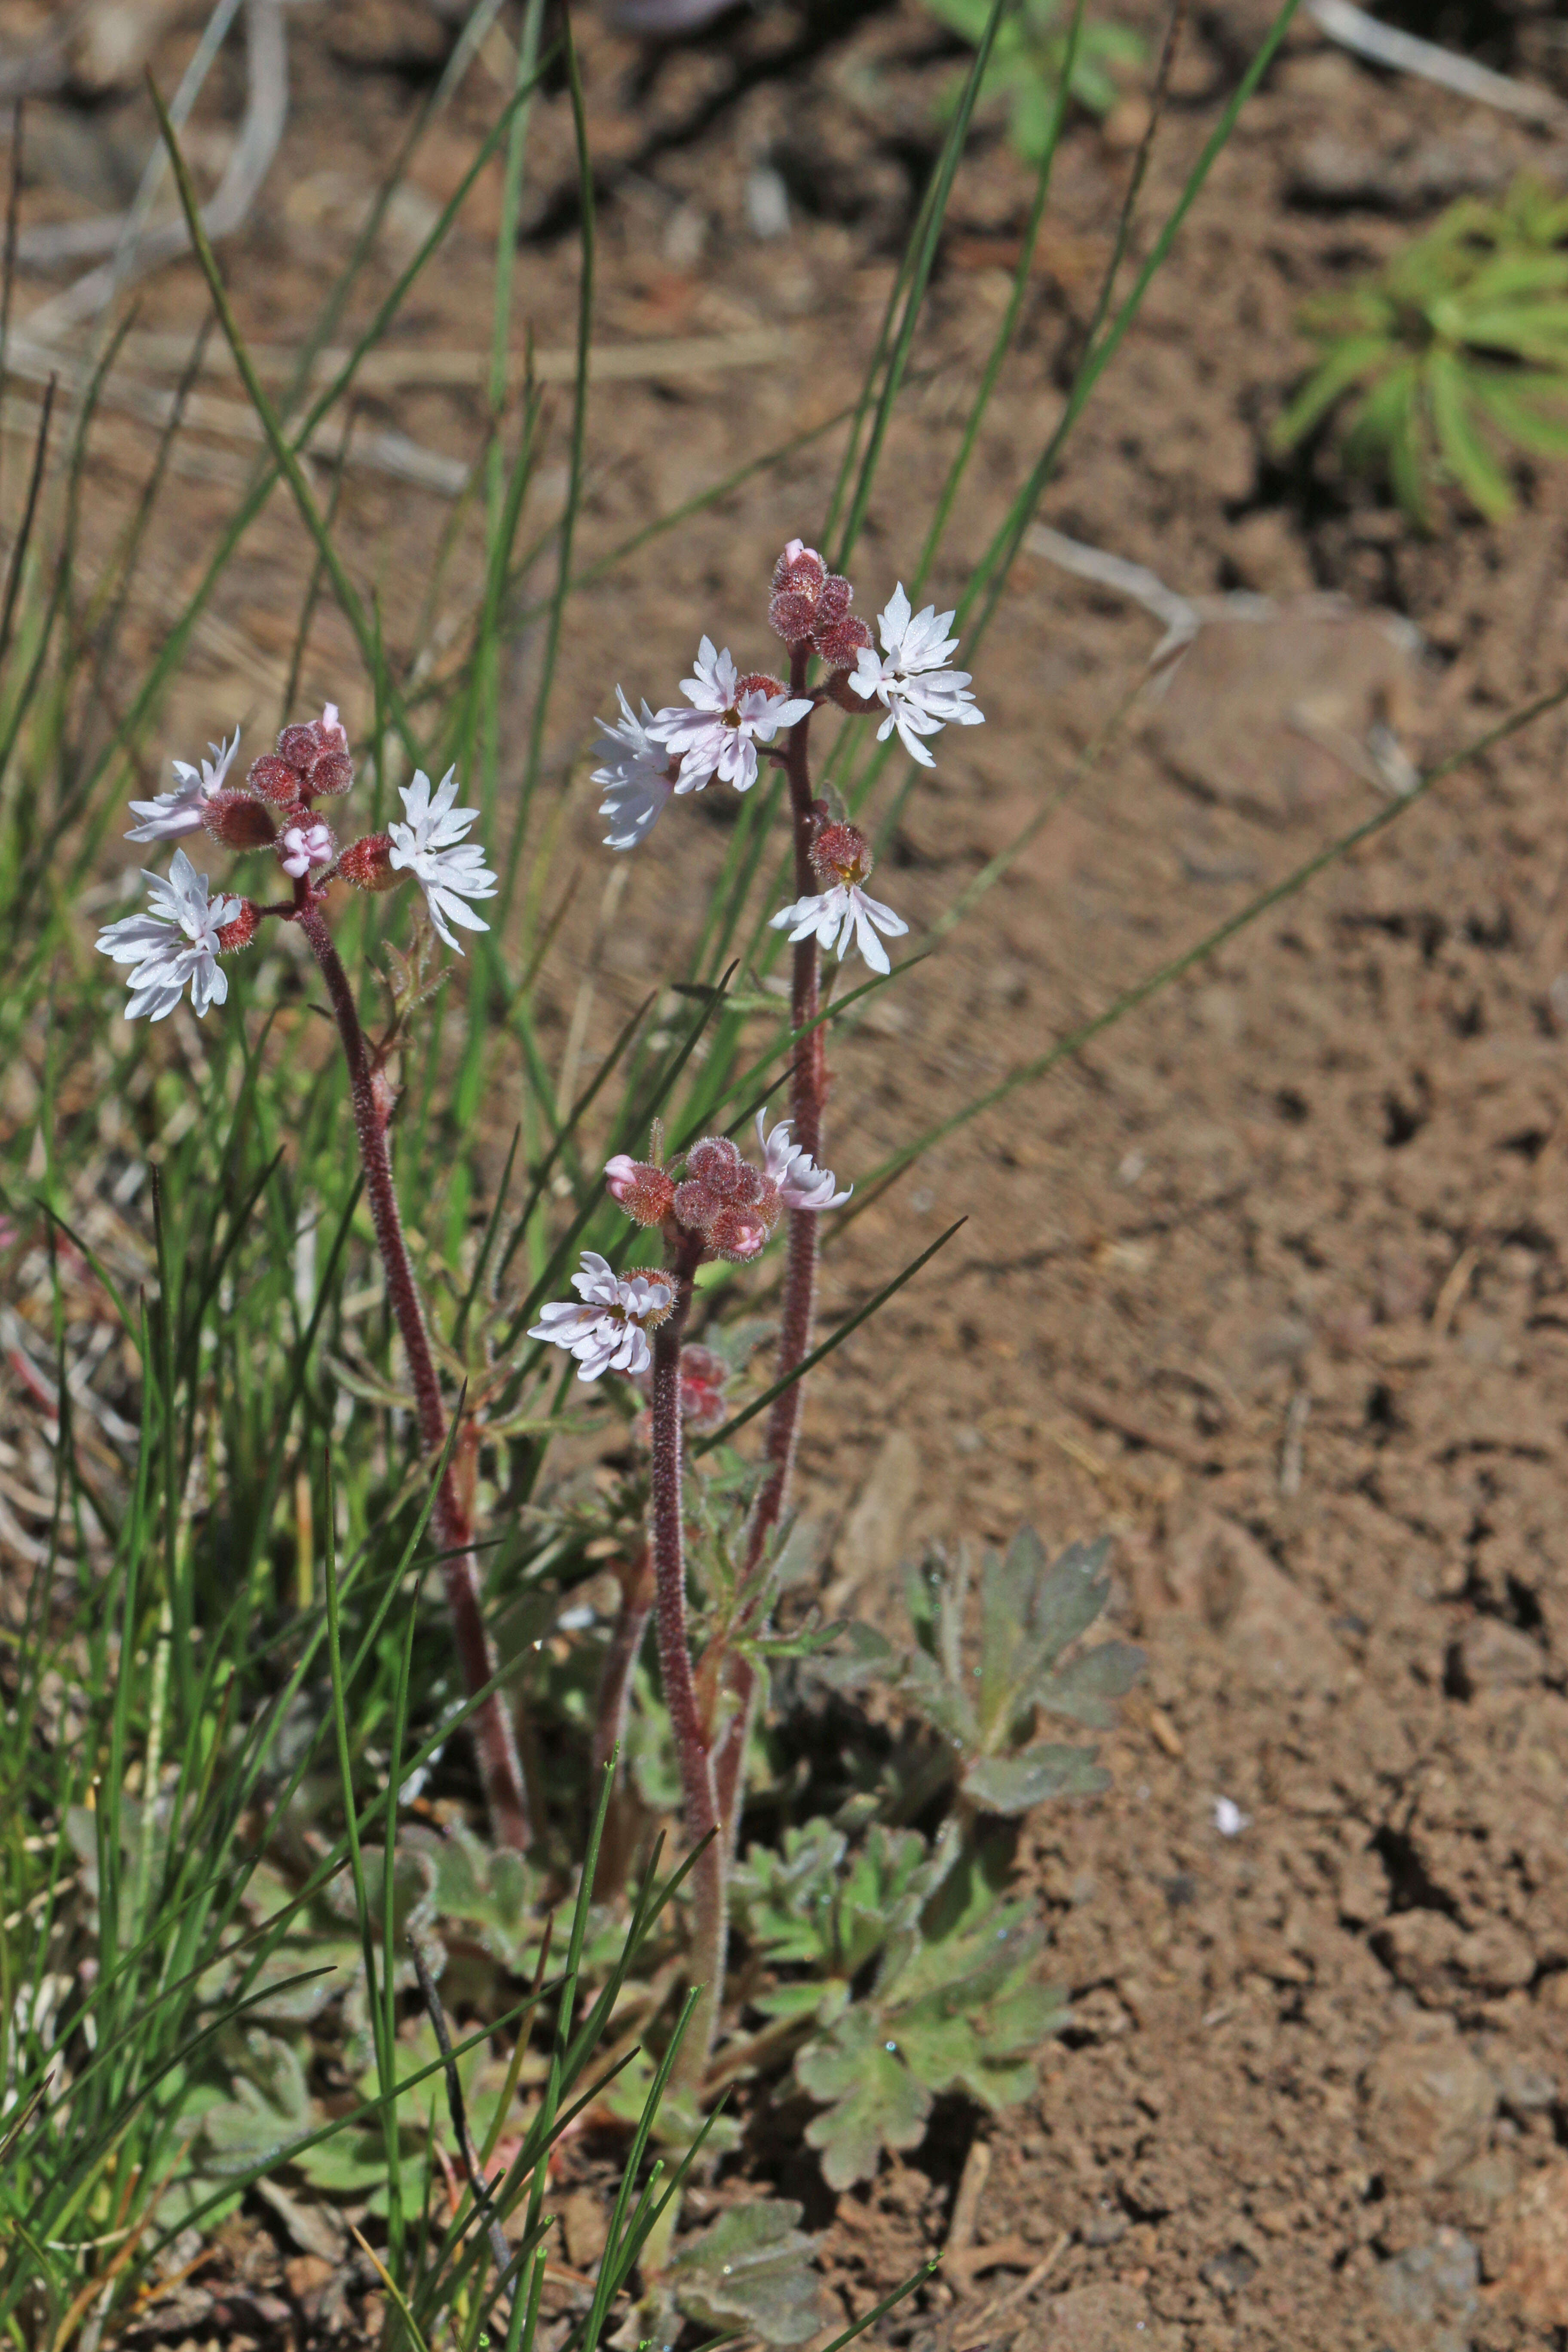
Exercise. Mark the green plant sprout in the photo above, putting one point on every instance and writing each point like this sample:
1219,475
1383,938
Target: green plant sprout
1457,345
1031,52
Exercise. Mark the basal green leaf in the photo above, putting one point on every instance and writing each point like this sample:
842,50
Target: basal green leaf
872,2099
1088,1686
1013,1784
1472,464
1355,360
753,2270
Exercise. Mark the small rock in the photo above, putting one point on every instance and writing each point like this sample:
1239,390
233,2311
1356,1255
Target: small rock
1428,2102
868,1549
1276,1632
1272,714
1436,2286
307,2275
1105,2229
1227,2274
1495,1957
113,42
583,2227
1484,2183
1364,1887
1492,1655
1328,168
1111,2317
1419,1947
1526,2247
1524,2085
1269,555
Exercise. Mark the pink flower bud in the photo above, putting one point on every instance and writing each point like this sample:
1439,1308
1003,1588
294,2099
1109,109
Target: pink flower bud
332,731
839,644
368,864
238,821
799,577
241,931
299,745
644,1191
275,779
333,771
758,681
718,1167
306,845
841,854
695,1205
738,1234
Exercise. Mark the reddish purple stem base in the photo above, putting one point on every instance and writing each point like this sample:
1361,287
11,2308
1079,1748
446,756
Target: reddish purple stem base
495,1741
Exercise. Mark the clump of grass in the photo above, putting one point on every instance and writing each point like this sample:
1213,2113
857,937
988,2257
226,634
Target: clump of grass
1451,355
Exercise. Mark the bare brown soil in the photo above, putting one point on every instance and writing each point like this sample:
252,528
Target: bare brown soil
1272,1280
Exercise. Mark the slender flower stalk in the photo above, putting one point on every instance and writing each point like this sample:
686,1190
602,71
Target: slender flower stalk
494,1739
693,1733
807,1085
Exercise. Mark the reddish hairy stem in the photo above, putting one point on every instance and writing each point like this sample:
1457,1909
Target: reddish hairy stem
610,1709
808,1087
494,1739
710,1938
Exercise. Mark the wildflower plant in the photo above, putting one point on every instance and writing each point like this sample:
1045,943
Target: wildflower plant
177,943
718,1204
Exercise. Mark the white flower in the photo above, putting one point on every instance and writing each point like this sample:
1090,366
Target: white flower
911,680
173,814
302,845
719,735
176,941
848,913
802,1184
637,781
427,848
608,1331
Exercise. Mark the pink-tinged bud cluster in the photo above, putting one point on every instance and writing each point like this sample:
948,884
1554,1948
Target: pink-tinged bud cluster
703,1377
810,605
646,1192
368,864
730,1203
241,930
311,761
841,854
238,820
703,1405
317,750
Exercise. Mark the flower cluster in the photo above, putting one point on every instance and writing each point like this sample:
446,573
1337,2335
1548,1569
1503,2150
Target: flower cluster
607,1326
842,911
721,1207
175,941
730,720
